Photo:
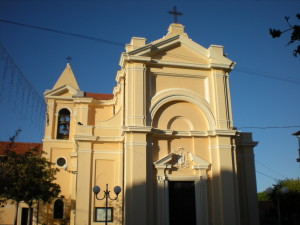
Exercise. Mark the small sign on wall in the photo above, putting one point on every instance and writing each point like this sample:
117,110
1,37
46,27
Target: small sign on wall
100,214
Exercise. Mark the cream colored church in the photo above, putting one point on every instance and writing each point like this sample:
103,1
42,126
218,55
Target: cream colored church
165,136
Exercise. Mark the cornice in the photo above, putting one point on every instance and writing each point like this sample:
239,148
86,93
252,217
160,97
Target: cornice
125,57
152,47
180,64
44,140
82,100
110,138
85,138
225,132
199,133
198,76
139,129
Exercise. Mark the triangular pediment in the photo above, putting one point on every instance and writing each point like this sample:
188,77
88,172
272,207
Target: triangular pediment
182,159
65,91
180,48
180,53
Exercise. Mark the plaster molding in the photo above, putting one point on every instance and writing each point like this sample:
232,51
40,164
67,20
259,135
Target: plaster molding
135,68
198,76
225,132
83,100
110,138
125,58
199,133
55,93
199,163
158,46
180,64
220,75
221,147
89,151
58,141
108,152
73,154
143,129
85,138
176,94
183,178
181,158
138,144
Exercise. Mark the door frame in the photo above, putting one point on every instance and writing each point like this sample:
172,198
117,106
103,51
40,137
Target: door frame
201,197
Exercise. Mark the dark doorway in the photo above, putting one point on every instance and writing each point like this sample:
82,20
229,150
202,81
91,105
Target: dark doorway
24,216
182,203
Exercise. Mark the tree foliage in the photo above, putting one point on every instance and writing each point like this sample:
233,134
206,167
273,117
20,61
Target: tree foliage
295,34
289,201
27,177
262,196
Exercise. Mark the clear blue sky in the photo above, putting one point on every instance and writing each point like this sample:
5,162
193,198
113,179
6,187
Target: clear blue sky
265,85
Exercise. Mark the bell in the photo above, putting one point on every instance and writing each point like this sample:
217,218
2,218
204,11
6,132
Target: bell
63,121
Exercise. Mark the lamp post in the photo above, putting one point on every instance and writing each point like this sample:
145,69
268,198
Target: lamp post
277,193
96,190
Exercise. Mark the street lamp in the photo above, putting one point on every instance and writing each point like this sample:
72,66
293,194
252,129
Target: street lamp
277,193
96,190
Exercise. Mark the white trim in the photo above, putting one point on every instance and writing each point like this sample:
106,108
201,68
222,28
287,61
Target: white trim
107,152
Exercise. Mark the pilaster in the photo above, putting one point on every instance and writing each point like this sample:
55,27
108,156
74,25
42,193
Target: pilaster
135,94
224,184
136,182
84,176
222,100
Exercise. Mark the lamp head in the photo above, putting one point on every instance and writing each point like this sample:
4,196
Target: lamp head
269,190
96,190
117,190
284,190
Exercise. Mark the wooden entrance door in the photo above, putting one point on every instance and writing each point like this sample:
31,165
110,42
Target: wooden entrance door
182,205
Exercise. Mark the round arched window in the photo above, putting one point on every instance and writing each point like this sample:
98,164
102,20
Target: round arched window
58,211
63,124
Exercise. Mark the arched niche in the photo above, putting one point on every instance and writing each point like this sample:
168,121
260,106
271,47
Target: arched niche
180,116
164,99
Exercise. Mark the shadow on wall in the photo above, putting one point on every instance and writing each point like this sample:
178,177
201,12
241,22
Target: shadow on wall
46,213
148,192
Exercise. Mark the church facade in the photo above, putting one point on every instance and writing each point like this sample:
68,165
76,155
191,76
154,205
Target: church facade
165,136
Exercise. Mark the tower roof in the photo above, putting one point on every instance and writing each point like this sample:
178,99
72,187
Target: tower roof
67,77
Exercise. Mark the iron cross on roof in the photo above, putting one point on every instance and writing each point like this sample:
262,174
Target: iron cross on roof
69,59
175,13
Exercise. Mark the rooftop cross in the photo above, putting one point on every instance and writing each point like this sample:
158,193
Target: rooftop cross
69,59
175,13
